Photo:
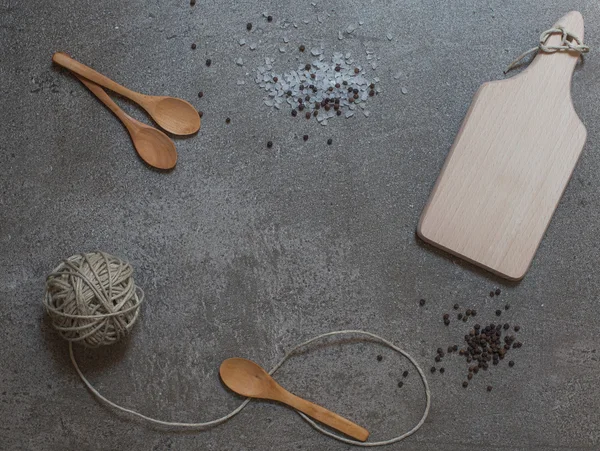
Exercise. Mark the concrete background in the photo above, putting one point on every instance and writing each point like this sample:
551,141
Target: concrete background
246,251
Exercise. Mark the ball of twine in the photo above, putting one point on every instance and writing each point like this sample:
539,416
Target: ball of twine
92,299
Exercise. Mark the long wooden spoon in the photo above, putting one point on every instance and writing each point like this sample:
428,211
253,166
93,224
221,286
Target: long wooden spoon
152,145
174,115
249,379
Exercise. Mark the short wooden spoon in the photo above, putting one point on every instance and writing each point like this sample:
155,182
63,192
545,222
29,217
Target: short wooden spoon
152,145
249,379
174,115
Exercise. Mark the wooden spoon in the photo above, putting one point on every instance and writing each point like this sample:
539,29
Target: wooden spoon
152,145
174,115
251,380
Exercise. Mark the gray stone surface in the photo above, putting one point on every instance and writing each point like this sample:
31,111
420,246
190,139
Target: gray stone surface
246,251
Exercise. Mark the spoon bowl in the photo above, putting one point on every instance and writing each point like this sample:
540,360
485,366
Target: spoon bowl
154,147
174,115
249,379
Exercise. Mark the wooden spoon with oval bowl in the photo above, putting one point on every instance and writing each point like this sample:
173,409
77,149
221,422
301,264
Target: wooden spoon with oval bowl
174,115
249,379
152,145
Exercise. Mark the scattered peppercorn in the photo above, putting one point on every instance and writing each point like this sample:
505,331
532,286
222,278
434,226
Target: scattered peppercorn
400,384
275,79
294,113
456,306
442,370
200,113
316,113
337,85
468,312
498,292
228,121
511,363
329,141
446,316
192,2
338,112
193,46
517,328
506,326
313,76
356,70
465,384
491,294
470,376
338,68
498,312
422,302
302,48
432,369
327,107
200,94
459,316
489,388
307,67
437,358
269,144
307,115
305,138
248,26
405,374
208,62
269,18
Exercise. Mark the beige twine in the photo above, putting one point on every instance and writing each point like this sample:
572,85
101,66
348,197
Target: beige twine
565,45
92,300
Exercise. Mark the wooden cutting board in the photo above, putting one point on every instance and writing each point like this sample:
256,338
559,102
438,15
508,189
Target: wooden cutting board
509,165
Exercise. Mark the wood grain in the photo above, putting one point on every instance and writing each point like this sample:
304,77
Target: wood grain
509,165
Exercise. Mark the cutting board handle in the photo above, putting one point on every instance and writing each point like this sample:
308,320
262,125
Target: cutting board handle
558,65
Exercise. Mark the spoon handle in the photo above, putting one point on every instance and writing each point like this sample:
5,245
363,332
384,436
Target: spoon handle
106,100
325,416
64,60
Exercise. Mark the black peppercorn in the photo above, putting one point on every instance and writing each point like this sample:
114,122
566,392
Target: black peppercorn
329,141
307,115
465,318
446,322
450,349
289,93
307,67
305,138
301,87
337,85
498,312
432,369
208,62
517,328
275,79
476,327
269,144
248,26
356,70
511,363
400,384
192,2
313,76
468,312
456,306
371,93
422,302
228,121
379,357
506,326
338,112
338,68
498,292
269,18
489,388
455,348
300,107
200,94
446,316
506,307
470,376
345,83
405,374
294,113
316,113
200,113
459,316
473,312
301,48
307,98
327,107
491,294
442,370
437,358
465,384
